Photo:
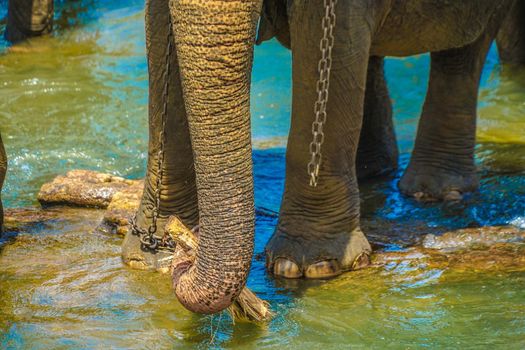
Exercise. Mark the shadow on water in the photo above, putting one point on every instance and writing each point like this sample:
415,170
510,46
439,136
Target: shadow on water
72,13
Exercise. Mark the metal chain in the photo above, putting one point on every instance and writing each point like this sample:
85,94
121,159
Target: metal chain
323,84
148,238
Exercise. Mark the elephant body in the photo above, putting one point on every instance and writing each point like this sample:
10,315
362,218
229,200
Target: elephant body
207,169
511,37
442,166
29,18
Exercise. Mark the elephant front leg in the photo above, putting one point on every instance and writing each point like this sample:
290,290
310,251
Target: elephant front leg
178,194
377,153
3,170
511,37
318,233
29,18
442,164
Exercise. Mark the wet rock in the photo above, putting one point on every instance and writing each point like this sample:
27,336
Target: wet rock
16,219
495,248
122,207
83,188
27,219
498,257
472,237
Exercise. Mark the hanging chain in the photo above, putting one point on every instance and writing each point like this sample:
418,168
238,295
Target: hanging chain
148,238
323,84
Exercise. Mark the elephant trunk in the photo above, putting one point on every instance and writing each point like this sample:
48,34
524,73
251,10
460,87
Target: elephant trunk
214,41
3,170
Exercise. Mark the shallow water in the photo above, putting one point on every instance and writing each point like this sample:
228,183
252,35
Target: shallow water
78,100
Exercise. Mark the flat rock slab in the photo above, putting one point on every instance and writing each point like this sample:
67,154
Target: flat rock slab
472,237
498,257
491,248
28,219
83,188
17,219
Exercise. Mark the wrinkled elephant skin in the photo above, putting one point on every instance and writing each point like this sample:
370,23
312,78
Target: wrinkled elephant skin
318,229
213,171
511,37
207,160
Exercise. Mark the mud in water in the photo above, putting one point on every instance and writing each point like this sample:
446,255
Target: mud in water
78,100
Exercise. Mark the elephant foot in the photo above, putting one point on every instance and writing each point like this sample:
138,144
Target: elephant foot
293,257
432,185
138,258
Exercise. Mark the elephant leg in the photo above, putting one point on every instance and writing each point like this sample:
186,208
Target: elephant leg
274,22
178,189
29,18
511,37
377,152
442,164
3,170
318,232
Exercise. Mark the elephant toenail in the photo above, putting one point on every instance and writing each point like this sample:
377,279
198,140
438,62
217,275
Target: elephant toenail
323,269
424,197
453,196
286,268
362,261
419,195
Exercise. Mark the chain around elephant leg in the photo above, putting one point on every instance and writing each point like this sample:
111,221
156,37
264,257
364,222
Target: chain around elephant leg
148,238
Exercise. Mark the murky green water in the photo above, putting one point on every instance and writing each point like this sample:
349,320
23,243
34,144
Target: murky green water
78,100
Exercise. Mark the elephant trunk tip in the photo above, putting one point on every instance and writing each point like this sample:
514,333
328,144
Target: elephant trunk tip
244,306
206,298
199,301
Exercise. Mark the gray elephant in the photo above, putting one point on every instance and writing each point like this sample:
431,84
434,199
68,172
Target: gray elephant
206,165
511,37
3,170
29,18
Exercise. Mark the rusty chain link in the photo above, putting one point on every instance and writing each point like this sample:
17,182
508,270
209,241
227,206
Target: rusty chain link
148,238
323,84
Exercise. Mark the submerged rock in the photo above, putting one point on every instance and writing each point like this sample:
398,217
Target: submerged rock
17,219
83,188
493,248
472,237
498,257
27,219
